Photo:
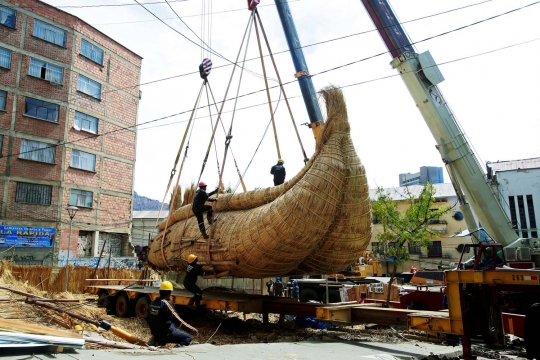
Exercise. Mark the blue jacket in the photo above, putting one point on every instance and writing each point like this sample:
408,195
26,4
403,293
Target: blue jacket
162,318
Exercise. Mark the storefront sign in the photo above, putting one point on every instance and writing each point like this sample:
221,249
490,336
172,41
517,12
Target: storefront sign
22,236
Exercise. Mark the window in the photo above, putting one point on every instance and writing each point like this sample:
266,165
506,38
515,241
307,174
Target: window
90,87
83,160
1,142
5,58
414,249
49,33
33,194
37,151
80,198
85,122
92,52
435,249
532,216
41,109
46,71
8,17
3,97
376,248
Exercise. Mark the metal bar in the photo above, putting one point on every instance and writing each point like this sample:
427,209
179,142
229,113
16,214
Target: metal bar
304,80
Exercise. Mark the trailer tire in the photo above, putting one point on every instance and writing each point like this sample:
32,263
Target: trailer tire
141,307
103,299
122,306
308,294
333,296
532,336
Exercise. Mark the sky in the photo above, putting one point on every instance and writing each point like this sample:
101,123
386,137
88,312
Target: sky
494,94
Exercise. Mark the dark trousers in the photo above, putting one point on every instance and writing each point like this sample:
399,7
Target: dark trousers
193,288
278,181
200,216
177,337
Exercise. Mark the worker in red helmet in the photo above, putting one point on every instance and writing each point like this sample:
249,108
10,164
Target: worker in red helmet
199,207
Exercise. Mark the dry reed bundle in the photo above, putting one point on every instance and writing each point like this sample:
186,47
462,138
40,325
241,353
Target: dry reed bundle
189,194
317,222
176,202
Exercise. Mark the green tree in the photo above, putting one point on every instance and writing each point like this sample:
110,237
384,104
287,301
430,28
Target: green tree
408,228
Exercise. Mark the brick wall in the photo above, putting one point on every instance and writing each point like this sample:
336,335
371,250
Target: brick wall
120,142
43,87
39,127
124,76
12,36
118,177
122,108
45,48
34,169
8,77
30,212
86,101
83,138
4,152
88,66
63,240
84,215
5,116
81,177
115,211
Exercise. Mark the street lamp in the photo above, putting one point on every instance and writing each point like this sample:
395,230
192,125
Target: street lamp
72,210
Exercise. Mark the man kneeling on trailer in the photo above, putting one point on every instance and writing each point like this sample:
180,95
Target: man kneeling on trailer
162,318
190,281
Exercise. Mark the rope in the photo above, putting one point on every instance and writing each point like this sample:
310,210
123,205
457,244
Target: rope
223,103
211,127
267,89
178,178
281,87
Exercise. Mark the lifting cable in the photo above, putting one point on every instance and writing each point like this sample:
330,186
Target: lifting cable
173,172
223,103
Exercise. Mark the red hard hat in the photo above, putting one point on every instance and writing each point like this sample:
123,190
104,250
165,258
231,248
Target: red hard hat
202,184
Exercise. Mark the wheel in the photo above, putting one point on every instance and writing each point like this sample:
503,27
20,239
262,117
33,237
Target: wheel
333,296
532,336
122,306
308,294
141,307
103,299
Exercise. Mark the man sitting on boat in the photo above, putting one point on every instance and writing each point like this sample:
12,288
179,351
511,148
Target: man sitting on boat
199,208
278,171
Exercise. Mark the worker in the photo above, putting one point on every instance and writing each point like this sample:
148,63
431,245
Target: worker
199,208
295,291
270,287
278,287
278,171
162,319
190,281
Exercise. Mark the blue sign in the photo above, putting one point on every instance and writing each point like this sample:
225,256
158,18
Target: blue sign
22,236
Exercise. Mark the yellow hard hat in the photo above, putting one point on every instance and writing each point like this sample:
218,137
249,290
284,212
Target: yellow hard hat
191,258
166,285
281,161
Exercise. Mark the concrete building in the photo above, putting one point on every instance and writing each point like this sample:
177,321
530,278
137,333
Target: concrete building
432,174
518,184
444,249
144,225
68,106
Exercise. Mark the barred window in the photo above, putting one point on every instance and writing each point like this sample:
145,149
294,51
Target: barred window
88,86
83,160
415,249
435,249
49,33
81,198
85,122
8,17
33,193
3,97
92,52
37,151
5,58
46,71
41,109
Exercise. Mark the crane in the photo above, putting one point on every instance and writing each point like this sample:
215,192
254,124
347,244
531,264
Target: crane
421,75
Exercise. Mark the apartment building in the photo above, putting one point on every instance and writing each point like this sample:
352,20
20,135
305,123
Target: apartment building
68,110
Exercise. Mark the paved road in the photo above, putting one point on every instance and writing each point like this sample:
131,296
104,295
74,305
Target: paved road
327,350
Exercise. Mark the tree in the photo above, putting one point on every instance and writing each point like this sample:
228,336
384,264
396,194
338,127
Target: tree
408,228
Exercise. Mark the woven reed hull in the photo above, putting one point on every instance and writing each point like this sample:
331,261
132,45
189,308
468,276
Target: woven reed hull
317,222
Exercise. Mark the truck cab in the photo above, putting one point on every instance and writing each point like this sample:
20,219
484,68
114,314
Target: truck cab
488,256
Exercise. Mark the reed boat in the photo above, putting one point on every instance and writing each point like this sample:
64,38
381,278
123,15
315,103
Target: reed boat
318,222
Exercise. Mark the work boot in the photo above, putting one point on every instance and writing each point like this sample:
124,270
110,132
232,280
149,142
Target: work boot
190,304
204,235
211,220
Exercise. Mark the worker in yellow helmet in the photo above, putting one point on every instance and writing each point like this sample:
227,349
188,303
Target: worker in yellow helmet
190,281
278,171
163,319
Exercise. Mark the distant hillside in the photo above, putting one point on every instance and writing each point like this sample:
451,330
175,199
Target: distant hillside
144,203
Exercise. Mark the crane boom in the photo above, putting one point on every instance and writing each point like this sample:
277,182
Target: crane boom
421,76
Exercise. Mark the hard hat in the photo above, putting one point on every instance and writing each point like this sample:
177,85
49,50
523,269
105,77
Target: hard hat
202,184
278,278
191,258
166,285
295,282
281,161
